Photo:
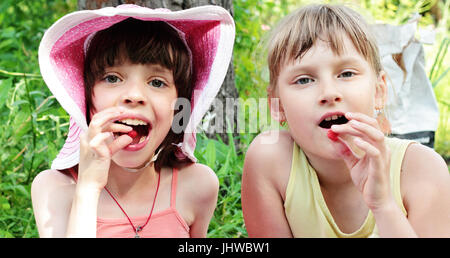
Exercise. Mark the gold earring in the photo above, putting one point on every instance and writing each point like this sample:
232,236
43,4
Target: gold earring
378,112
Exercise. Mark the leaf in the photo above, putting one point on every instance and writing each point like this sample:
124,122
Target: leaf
5,234
5,43
4,203
5,86
436,82
210,154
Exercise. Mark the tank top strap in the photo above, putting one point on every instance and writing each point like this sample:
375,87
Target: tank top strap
173,193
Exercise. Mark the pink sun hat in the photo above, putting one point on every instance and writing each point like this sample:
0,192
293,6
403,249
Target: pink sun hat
208,31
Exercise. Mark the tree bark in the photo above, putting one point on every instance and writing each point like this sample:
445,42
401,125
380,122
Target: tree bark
228,89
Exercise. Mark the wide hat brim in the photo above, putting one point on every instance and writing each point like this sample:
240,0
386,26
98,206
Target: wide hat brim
209,33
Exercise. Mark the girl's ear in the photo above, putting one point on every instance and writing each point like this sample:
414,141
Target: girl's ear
380,101
276,107
381,91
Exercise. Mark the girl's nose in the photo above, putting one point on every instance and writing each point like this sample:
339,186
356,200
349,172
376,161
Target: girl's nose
330,94
134,96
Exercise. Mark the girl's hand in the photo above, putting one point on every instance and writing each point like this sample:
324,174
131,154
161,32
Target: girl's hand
370,173
97,146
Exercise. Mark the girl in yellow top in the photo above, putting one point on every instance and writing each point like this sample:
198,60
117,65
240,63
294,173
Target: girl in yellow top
334,173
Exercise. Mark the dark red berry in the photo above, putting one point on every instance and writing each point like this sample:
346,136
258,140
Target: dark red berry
332,135
132,134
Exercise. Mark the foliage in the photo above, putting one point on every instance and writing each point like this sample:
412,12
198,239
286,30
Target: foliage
227,160
32,122
33,126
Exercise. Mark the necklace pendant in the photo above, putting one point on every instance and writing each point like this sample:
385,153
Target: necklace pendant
139,228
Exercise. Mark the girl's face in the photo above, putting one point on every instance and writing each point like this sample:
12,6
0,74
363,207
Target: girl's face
318,89
146,94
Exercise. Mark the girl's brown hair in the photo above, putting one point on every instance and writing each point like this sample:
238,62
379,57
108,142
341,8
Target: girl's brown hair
298,32
142,42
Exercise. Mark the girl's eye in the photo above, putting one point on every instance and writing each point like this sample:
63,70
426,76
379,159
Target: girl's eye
112,79
157,83
304,80
346,74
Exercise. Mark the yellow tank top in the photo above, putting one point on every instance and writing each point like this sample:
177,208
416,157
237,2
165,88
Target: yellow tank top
305,207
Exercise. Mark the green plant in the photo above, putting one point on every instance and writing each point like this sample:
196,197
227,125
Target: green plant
32,124
227,161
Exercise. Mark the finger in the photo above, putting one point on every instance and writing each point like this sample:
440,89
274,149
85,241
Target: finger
100,119
362,118
83,137
119,143
373,134
106,115
346,128
368,148
118,128
346,154
98,144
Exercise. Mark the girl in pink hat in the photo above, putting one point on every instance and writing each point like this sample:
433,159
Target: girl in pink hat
127,77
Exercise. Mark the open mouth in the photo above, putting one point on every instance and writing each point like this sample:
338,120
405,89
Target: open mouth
141,129
333,120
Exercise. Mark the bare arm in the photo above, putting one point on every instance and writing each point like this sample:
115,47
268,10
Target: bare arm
51,194
93,170
426,186
262,201
198,189
83,214
61,208
425,183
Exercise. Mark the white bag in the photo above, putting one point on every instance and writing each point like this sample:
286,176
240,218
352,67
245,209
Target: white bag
411,108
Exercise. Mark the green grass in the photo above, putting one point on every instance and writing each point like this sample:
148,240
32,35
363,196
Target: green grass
227,161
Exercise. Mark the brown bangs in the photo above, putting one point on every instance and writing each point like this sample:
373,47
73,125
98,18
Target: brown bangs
299,31
138,42
142,42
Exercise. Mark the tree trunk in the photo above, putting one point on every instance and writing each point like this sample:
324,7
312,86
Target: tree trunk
228,89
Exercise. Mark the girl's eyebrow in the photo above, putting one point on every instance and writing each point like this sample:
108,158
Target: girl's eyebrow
349,60
159,69
311,67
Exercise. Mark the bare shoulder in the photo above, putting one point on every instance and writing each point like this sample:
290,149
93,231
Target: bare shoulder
268,147
269,156
423,169
51,179
264,181
423,164
199,182
52,195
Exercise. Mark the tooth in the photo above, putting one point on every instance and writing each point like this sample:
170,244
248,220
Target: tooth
334,117
328,119
130,121
142,139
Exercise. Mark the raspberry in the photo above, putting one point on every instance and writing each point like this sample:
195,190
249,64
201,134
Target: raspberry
332,135
132,134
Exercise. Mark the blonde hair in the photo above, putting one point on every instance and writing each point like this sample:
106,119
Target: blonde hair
297,33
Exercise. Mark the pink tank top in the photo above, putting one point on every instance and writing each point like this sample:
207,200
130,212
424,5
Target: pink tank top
163,224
